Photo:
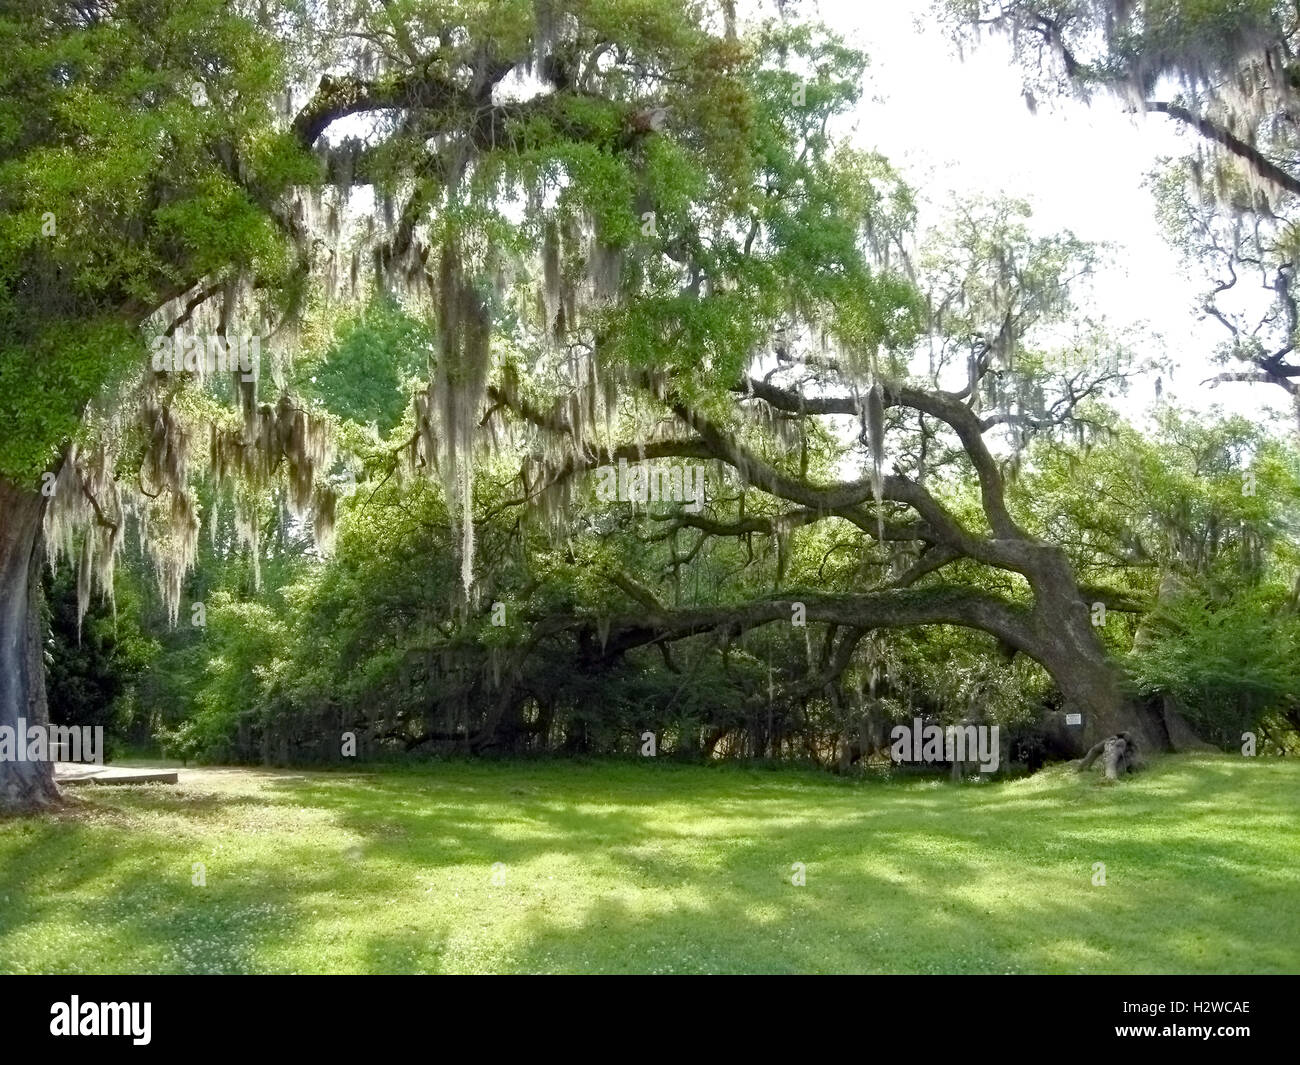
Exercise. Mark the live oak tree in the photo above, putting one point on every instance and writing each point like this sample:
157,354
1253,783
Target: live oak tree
790,271
372,642
931,510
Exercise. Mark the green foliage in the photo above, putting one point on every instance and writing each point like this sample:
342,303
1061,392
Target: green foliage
1230,664
1198,498
239,649
93,667
45,383
365,374
119,189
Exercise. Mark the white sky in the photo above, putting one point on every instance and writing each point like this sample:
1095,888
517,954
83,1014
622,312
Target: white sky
955,127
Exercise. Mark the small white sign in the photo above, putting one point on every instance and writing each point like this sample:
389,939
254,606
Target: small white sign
1074,719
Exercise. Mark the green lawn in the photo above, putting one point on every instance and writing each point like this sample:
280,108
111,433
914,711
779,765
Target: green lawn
661,868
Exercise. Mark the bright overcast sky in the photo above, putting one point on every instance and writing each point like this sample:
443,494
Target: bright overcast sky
961,127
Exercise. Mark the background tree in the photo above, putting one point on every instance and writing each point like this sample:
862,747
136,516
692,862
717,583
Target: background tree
1226,72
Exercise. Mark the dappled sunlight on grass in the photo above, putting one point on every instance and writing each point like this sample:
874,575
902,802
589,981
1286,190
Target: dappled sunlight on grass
617,867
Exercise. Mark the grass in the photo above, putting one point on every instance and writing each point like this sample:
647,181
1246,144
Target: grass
660,868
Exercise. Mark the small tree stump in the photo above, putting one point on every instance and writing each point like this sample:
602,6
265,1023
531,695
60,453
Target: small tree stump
1118,755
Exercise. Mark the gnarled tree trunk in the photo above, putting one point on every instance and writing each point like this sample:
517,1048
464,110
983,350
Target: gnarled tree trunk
1070,650
24,785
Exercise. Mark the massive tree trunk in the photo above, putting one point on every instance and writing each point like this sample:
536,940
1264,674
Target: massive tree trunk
23,785
1070,650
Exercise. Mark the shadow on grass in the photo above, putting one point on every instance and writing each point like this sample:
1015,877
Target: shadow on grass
915,877
633,869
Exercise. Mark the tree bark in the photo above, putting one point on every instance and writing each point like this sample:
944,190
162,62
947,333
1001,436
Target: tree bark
1181,735
24,786
1069,648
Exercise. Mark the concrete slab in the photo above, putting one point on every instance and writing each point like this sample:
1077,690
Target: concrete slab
73,773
